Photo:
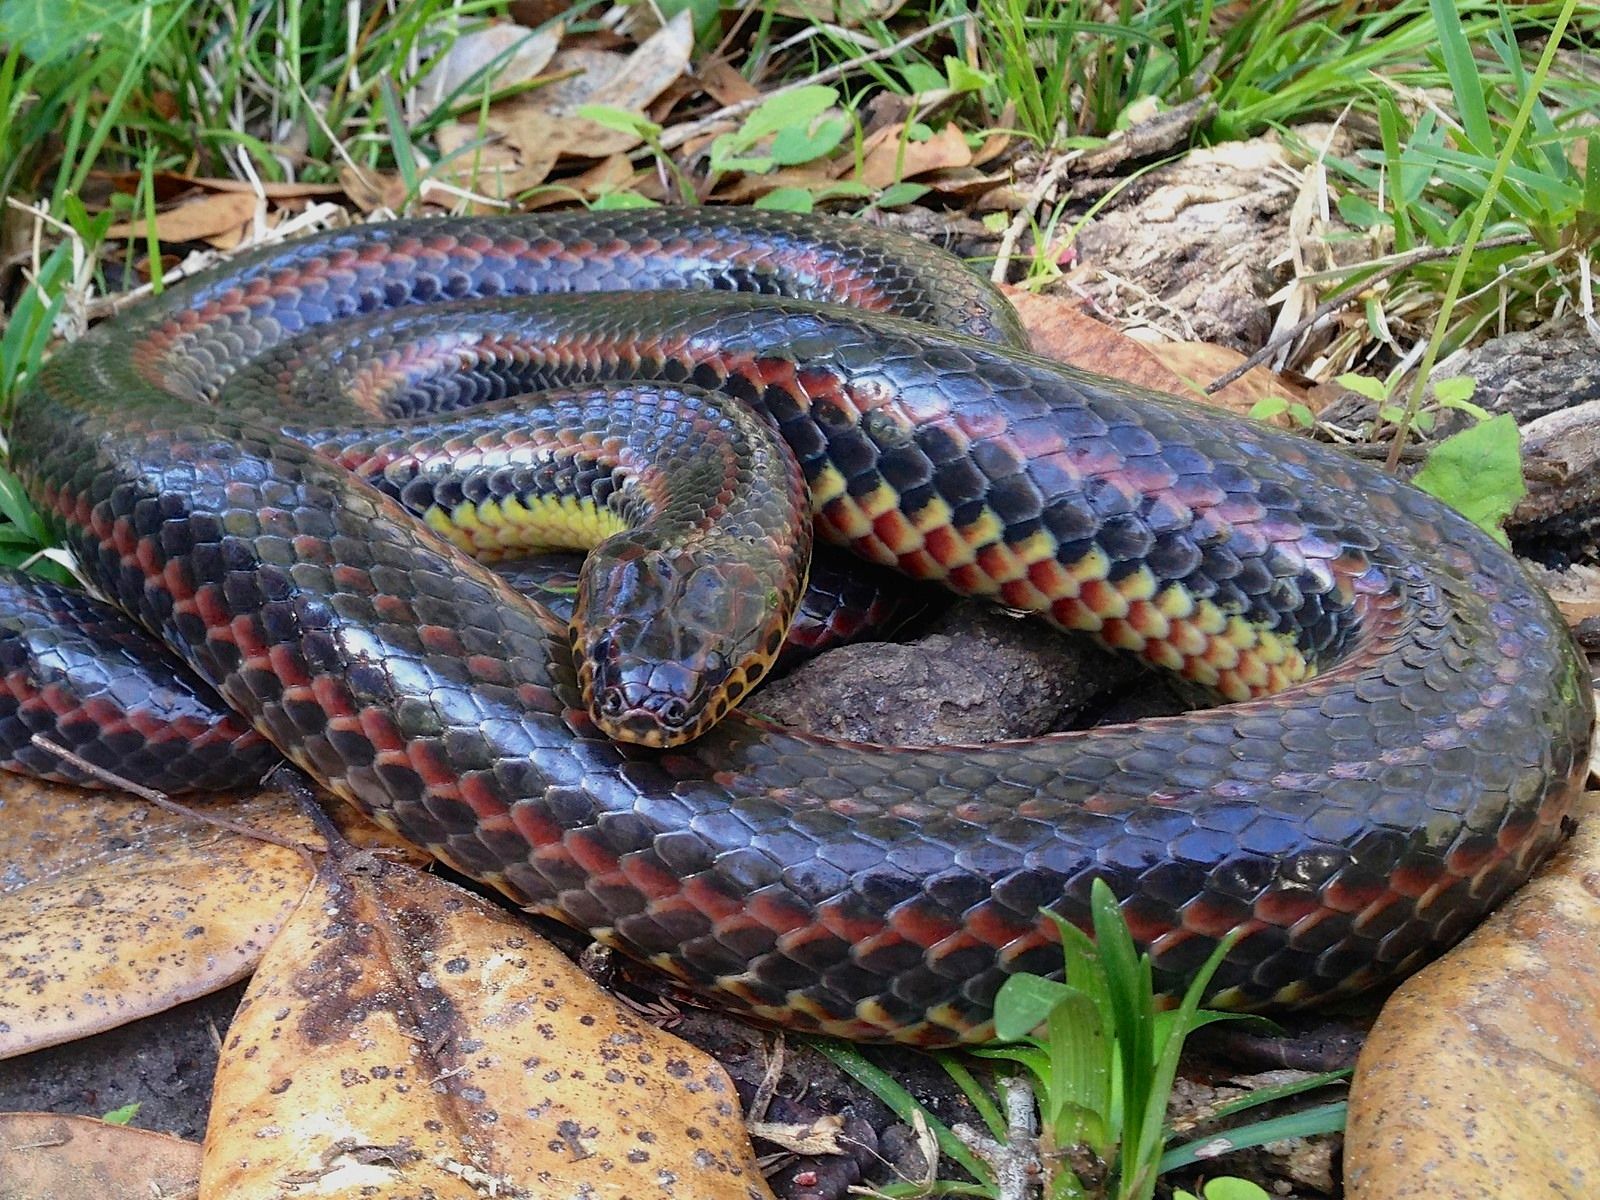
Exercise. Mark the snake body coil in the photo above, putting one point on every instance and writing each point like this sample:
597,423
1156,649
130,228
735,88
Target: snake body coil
1412,720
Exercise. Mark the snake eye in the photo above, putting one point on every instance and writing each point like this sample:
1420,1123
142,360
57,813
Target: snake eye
612,703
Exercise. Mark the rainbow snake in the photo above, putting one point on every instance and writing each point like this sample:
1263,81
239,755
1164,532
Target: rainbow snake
274,469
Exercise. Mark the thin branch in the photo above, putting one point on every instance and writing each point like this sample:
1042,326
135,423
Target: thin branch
1391,266
161,801
679,134
1041,189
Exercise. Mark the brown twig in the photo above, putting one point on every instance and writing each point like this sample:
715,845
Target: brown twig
679,134
163,802
1019,222
1327,308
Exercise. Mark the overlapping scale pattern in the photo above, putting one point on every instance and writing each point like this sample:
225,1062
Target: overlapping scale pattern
1412,719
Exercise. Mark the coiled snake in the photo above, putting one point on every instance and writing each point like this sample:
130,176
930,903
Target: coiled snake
1411,717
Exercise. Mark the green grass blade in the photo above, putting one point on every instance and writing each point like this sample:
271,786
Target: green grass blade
977,1095
1325,1118
1465,81
884,1086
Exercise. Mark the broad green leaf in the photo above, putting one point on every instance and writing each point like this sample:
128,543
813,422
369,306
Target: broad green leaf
48,28
1361,212
620,119
964,78
121,1116
1455,390
1478,472
920,77
788,199
897,194
787,110
1363,385
796,145
616,201
1025,1002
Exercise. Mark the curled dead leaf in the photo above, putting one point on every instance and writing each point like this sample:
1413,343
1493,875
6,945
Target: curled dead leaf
211,214
1198,363
1575,589
889,157
543,125
47,1156
500,56
403,1037
1480,1076
1060,329
104,918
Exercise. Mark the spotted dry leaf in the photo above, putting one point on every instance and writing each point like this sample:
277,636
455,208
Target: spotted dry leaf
44,1155
111,909
404,1038
1480,1076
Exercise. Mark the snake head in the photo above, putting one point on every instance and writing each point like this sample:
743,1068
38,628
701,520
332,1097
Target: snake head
666,640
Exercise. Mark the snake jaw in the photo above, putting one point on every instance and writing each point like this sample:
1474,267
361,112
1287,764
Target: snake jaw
694,638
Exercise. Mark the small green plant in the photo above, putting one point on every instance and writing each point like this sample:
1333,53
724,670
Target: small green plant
789,129
1102,1059
123,1115
1105,1059
1225,1188
1477,471
648,132
24,537
1297,414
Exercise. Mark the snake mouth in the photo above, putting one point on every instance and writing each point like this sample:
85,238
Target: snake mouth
654,719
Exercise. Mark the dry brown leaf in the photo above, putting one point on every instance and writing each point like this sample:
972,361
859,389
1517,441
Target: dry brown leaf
370,190
168,186
542,125
485,165
1059,329
521,54
1200,362
403,1037
48,1157
886,158
962,183
745,187
1482,1075
211,214
610,174
724,84
1575,589
104,916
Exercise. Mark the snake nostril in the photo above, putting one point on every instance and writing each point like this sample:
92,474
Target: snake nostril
612,702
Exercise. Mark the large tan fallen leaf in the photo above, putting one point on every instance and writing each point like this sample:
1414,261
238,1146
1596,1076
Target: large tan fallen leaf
544,124
49,1157
500,56
1575,589
1198,363
169,186
1060,329
1481,1077
204,216
111,909
889,157
404,1038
